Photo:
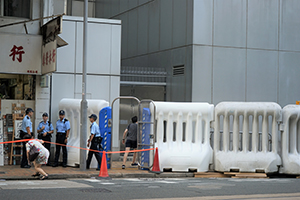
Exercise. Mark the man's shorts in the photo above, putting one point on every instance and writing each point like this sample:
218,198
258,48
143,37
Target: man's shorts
131,144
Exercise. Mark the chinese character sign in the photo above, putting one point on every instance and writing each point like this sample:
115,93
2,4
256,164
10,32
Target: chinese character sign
49,57
17,51
20,53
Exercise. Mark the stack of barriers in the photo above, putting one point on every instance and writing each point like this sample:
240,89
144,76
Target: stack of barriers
256,148
183,135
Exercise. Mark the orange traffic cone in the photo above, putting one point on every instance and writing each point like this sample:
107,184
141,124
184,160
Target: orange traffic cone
103,171
155,167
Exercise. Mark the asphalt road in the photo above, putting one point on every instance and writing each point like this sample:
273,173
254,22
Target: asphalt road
185,188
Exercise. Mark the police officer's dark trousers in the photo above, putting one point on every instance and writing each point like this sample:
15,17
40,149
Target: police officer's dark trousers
60,139
24,160
94,146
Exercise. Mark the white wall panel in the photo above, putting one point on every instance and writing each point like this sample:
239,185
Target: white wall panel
228,74
230,23
262,73
62,87
79,46
98,87
66,54
115,56
263,24
202,30
99,48
289,71
290,25
201,74
99,35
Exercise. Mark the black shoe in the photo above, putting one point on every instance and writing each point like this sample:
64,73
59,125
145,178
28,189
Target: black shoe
48,164
55,165
134,164
64,165
26,166
98,169
36,174
123,166
44,177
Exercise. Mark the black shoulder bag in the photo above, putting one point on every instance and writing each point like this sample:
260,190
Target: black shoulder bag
33,153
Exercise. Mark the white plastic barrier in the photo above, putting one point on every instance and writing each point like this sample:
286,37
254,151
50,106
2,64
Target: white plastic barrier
72,108
291,140
183,132
256,149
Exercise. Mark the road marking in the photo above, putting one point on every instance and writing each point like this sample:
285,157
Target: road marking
132,179
165,182
291,196
46,184
92,180
107,183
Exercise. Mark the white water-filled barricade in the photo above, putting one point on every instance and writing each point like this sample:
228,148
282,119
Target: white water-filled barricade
183,135
290,151
72,108
246,137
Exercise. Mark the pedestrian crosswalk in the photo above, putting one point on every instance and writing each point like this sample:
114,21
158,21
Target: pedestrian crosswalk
128,182
132,181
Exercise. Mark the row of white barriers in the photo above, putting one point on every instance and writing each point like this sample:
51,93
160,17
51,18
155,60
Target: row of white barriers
233,136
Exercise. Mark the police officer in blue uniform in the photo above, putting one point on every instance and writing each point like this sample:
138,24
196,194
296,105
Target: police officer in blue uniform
95,141
62,135
45,130
26,130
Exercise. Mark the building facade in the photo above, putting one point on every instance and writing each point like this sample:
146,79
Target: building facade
212,50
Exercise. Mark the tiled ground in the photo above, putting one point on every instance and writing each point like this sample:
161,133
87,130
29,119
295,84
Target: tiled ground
14,171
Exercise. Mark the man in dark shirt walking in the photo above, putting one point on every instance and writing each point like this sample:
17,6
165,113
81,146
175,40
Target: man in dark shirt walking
131,142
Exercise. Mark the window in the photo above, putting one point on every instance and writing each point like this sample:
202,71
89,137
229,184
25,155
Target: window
15,8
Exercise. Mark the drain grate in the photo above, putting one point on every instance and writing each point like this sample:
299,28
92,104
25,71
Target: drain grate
95,190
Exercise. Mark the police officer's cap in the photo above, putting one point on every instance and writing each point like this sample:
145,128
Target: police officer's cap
29,110
45,114
93,116
61,112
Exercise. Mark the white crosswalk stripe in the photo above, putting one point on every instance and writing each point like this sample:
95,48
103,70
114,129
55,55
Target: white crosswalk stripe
92,180
107,183
166,182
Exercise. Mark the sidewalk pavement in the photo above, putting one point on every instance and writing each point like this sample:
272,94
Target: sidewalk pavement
14,172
